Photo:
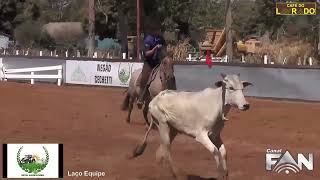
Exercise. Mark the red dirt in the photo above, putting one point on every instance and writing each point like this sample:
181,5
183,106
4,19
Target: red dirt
88,121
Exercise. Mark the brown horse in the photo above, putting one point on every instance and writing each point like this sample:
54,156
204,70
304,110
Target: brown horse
161,78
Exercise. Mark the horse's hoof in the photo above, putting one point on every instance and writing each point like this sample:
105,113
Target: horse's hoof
140,106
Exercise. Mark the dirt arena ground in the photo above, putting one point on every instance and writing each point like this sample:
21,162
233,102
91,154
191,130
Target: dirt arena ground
88,121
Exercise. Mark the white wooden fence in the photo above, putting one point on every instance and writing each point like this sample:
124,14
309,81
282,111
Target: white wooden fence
191,57
14,73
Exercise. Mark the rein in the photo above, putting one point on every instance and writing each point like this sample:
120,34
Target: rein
154,72
223,101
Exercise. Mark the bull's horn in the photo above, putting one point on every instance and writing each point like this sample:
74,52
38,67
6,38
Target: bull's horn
224,118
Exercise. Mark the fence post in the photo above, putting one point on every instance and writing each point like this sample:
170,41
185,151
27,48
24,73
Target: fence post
265,59
310,61
17,52
189,57
66,53
95,54
226,59
123,55
60,74
32,80
40,53
51,53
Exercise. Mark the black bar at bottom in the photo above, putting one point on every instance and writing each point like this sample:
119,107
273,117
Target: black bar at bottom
60,152
4,160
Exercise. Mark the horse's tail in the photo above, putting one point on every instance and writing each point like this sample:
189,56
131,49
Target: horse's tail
126,101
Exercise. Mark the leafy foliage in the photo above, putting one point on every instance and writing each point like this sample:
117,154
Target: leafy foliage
190,16
29,34
14,12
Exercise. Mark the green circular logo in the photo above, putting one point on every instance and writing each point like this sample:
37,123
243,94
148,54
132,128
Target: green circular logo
124,73
32,163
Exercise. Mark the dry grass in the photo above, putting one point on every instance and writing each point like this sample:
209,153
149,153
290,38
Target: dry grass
287,52
179,51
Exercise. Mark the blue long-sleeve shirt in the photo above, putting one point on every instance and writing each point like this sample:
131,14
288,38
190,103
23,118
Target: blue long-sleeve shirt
149,43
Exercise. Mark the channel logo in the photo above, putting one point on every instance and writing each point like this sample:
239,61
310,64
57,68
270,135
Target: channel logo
32,161
283,162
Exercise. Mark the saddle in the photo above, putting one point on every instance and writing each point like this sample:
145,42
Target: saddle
152,75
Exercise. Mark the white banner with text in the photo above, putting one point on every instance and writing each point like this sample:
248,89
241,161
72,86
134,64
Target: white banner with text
100,72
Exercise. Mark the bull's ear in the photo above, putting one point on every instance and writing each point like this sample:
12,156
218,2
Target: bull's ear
219,83
245,84
223,75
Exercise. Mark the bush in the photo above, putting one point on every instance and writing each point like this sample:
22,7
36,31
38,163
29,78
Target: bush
29,34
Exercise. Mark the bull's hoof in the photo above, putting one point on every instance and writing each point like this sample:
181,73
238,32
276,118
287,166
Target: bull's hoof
128,120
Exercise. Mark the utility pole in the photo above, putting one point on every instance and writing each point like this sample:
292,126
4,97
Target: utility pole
91,29
138,30
229,42
318,52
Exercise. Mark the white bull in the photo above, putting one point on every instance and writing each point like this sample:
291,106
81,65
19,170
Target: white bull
200,115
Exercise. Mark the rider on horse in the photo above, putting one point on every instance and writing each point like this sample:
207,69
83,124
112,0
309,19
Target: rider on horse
153,45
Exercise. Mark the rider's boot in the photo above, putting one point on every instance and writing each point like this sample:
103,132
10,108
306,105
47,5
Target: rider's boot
141,97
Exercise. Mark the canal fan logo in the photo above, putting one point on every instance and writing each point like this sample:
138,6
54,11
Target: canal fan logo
78,75
124,72
33,162
279,162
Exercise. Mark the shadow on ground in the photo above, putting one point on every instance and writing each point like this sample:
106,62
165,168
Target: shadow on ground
195,177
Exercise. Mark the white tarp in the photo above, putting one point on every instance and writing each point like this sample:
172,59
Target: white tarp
100,72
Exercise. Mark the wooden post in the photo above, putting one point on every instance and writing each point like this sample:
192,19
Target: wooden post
138,30
229,48
91,38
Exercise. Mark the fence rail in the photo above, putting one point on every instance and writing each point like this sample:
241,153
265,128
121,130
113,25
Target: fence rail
11,73
99,53
116,54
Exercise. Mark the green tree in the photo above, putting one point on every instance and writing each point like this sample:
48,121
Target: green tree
15,12
244,18
29,34
266,19
208,13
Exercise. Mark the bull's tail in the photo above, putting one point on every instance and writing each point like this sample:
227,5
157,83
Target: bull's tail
141,147
126,101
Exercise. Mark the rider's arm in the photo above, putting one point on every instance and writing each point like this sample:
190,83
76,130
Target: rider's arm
149,48
151,52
